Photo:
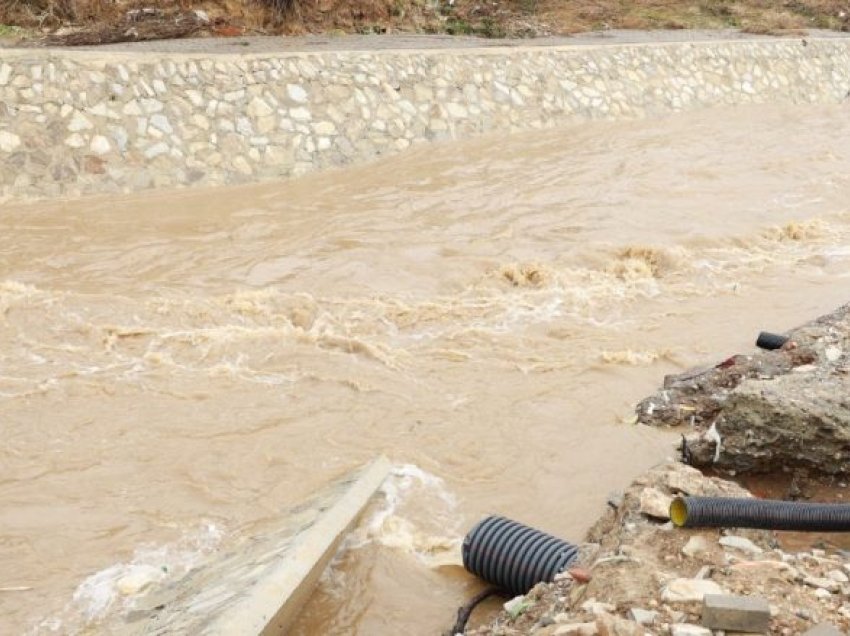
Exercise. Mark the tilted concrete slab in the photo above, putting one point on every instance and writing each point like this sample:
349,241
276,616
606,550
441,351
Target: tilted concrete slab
259,586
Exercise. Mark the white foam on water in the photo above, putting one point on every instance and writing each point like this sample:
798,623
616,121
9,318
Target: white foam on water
630,357
387,526
119,586
17,288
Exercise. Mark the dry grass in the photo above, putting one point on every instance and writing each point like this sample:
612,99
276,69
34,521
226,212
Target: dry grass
494,18
750,15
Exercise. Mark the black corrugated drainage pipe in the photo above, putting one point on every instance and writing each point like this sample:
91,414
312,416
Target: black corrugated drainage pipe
770,341
763,514
514,556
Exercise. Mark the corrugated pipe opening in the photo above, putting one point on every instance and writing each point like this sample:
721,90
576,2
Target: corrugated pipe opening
514,556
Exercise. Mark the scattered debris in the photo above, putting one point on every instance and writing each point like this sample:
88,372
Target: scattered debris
643,616
517,606
650,580
686,629
824,629
580,575
740,543
137,25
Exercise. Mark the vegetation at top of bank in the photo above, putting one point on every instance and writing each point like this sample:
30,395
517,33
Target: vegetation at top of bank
90,21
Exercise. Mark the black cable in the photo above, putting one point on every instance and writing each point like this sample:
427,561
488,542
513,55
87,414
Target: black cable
465,611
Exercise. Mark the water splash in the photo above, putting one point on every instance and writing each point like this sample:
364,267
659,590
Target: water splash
119,586
387,524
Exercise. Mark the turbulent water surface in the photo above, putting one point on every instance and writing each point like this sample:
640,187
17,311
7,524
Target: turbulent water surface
178,369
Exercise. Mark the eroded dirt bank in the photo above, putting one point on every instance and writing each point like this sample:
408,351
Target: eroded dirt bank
782,410
781,414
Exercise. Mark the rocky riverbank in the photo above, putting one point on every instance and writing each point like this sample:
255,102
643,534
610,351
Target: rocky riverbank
786,410
784,414
642,576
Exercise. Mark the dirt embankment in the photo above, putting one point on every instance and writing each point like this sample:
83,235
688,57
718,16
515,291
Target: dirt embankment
776,420
786,410
95,21
645,577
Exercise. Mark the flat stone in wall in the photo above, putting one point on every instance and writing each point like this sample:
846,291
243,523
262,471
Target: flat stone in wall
74,123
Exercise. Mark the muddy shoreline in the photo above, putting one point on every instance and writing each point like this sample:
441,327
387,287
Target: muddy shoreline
776,421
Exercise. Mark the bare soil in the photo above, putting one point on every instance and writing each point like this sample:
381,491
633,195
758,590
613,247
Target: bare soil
76,22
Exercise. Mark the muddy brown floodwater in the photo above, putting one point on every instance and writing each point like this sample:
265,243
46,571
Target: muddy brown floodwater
176,369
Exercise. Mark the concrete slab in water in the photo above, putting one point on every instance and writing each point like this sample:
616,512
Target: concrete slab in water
259,586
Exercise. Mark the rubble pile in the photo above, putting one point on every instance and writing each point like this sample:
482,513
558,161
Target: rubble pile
642,576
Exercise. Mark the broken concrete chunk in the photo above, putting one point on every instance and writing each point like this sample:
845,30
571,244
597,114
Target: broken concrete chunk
690,481
736,613
696,545
769,569
654,503
837,576
690,590
573,629
822,583
595,607
675,615
643,616
832,353
686,629
824,629
609,625
740,543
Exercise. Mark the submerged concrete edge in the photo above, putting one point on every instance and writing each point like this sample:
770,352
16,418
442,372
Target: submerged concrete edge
276,600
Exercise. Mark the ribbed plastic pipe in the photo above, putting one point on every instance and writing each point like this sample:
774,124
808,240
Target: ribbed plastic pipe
763,514
770,341
514,556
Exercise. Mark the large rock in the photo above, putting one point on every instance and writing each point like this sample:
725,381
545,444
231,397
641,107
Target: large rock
740,543
798,420
654,503
690,590
771,410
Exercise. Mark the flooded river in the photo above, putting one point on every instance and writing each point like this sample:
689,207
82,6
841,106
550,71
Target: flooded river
177,368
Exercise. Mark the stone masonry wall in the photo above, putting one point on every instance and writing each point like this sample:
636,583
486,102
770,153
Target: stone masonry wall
75,122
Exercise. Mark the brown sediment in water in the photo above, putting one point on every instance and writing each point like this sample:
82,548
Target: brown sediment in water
182,361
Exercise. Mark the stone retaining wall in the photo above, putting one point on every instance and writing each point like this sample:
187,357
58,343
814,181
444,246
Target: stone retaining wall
75,122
